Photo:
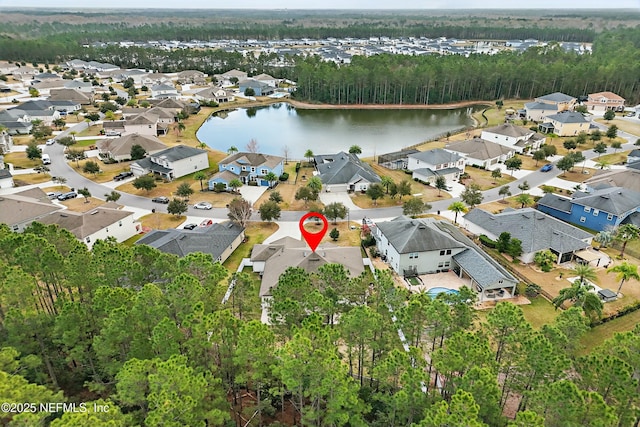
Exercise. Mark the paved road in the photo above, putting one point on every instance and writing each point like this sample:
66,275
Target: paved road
60,167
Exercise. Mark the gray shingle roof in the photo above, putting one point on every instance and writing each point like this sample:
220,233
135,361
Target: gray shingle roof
556,202
437,156
536,230
614,200
478,148
342,168
509,129
408,235
178,152
252,159
540,106
556,97
626,178
213,240
568,117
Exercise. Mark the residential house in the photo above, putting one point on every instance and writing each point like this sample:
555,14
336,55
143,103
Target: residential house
628,178
173,104
266,78
113,127
46,86
194,77
144,124
6,141
75,95
230,78
288,253
164,90
566,123
537,111
172,163
430,164
214,94
25,73
218,240
397,159
344,172
603,101
80,85
481,153
136,75
65,106
155,79
247,168
259,88
19,210
599,210
260,253
536,231
6,179
107,221
519,138
119,149
420,247
41,77
562,101
16,122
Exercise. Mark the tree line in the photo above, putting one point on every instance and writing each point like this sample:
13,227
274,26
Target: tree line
146,334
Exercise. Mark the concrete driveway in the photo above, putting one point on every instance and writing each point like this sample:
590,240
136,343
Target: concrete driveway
252,194
341,197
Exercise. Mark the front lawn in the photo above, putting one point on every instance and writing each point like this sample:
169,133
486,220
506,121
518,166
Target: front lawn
161,221
30,178
21,161
614,158
483,178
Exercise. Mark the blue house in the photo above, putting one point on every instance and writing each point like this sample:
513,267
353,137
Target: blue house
599,210
247,168
259,88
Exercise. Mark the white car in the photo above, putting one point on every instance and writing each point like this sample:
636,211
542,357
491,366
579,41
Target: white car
51,141
203,205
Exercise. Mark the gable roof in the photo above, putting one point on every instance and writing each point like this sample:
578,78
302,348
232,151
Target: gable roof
342,168
262,252
536,230
540,106
252,159
436,156
628,178
607,95
511,130
293,255
212,240
408,235
25,206
556,97
614,200
478,148
178,152
122,146
568,117
5,174
556,202
83,224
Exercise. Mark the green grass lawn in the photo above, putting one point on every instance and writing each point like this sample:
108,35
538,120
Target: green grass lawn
598,335
539,312
255,234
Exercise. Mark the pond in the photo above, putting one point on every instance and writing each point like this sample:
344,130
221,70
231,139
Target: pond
279,127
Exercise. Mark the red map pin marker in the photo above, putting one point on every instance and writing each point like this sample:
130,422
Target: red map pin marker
313,239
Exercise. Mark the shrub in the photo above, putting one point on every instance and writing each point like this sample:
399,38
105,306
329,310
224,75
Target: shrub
284,176
532,290
369,241
297,167
487,241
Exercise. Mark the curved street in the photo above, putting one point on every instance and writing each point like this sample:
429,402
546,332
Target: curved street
60,167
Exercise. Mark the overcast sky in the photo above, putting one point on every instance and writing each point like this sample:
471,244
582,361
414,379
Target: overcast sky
329,4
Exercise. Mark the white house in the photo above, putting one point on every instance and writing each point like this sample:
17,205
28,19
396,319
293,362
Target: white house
519,138
430,164
6,179
100,223
164,90
172,163
481,153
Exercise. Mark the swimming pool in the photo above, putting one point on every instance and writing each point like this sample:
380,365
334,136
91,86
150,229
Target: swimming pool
434,292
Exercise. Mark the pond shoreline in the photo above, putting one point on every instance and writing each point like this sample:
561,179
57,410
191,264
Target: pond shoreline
309,106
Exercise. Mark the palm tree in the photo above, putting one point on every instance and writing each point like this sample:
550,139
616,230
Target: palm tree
232,150
524,199
585,272
200,176
308,154
457,207
234,184
271,177
603,164
625,234
581,296
386,181
202,145
625,272
605,237
180,127
355,149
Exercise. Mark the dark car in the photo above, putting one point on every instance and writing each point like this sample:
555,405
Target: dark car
122,175
69,195
546,168
160,199
190,226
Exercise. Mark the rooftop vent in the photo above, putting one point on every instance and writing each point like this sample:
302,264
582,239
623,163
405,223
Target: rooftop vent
94,212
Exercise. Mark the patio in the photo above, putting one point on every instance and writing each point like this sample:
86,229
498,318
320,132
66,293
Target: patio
448,280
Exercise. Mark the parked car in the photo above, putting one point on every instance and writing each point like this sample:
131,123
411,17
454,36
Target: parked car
190,226
631,114
69,195
51,141
160,199
206,223
203,205
53,194
122,175
546,168
46,160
